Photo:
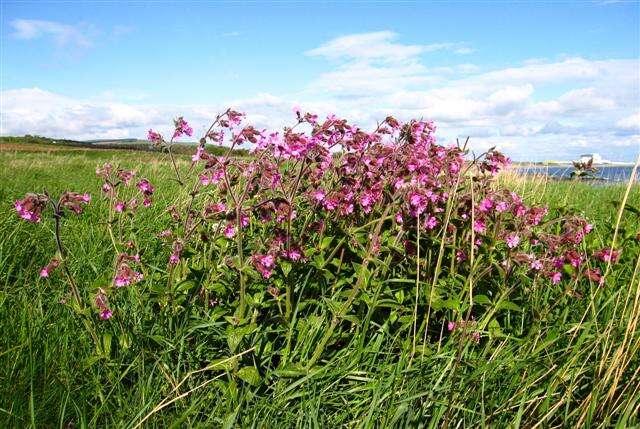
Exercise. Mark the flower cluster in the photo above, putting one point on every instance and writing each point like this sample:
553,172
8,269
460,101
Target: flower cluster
182,127
31,206
115,180
271,215
338,172
468,328
125,275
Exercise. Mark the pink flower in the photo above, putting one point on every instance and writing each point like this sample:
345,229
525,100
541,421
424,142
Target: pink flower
73,201
607,255
229,231
431,222
293,254
536,214
30,207
182,128
347,209
330,204
558,262
204,179
556,277
154,137
416,200
517,199
216,208
519,211
198,155
485,205
594,275
133,204
106,188
100,301
318,195
145,187
451,326
44,272
479,226
125,276
125,176
146,202
120,206
263,264
536,264
502,207
399,218
512,241
366,200
244,220
165,233
574,258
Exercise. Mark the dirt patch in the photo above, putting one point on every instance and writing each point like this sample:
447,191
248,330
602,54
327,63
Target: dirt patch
17,147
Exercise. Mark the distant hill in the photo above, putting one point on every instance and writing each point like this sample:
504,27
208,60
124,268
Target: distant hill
114,141
117,144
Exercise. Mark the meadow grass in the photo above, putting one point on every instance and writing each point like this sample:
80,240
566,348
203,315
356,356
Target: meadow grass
577,366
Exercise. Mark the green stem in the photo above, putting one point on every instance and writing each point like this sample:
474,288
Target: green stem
175,167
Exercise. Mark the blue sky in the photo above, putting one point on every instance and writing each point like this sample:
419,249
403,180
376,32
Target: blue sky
542,80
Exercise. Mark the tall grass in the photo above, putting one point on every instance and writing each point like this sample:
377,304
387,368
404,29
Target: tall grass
567,361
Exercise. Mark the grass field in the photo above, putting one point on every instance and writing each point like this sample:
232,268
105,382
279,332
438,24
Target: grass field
567,361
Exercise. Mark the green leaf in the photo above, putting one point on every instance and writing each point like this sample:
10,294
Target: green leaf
286,267
508,305
325,242
481,299
451,304
494,328
233,339
185,286
249,374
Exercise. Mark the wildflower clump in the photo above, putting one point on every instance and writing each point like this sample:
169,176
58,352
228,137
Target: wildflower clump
320,218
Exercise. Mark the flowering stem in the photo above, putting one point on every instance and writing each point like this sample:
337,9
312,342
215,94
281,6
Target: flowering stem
57,214
175,167
110,225
289,287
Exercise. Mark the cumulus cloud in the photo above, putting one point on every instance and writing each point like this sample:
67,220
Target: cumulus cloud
538,109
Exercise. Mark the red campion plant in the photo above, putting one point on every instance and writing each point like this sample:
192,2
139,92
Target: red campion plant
321,214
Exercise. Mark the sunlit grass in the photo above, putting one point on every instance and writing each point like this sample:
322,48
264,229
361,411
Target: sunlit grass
578,366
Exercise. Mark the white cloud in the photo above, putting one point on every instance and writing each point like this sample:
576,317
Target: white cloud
62,34
538,109
379,46
630,123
